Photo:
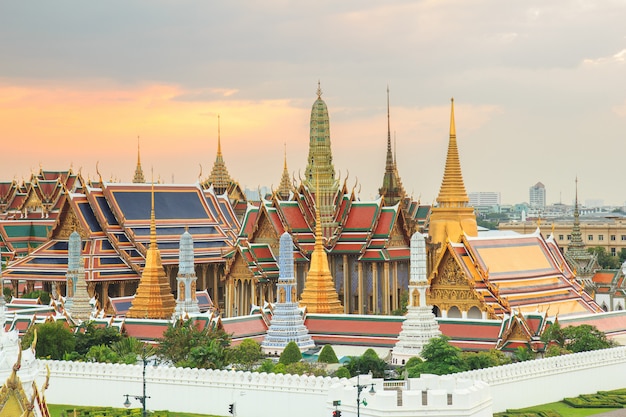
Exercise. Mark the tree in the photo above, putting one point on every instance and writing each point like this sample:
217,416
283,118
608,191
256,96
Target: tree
342,372
554,335
440,358
605,259
44,297
327,355
584,338
207,356
54,339
480,360
266,366
404,302
130,349
291,354
569,339
246,354
101,353
88,335
181,337
301,368
368,362
523,353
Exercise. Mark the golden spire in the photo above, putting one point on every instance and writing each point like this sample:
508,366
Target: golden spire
319,294
219,178
138,178
153,299
452,192
285,187
219,142
153,235
452,216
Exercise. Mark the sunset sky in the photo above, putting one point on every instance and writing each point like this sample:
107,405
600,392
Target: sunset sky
539,88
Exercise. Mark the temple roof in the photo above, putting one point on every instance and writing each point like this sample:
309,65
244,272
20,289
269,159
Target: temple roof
521,273
114,223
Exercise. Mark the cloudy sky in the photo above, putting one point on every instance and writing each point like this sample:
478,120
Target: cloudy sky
539,88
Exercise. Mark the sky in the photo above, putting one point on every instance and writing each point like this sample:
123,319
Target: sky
539,89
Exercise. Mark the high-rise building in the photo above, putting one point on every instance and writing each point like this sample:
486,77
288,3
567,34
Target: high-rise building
484,198
537,196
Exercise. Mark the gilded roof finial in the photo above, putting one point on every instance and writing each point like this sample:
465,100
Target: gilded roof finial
388,125
219,143
318,217
138,178
319,89
285,163
452,126
153,235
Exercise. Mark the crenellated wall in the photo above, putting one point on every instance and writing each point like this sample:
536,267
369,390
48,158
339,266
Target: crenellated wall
534,382
429,395
264,395
189,390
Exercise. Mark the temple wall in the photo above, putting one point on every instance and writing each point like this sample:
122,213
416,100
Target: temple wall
187,390
258,395
529,383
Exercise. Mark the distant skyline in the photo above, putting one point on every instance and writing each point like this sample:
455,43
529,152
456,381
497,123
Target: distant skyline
538,87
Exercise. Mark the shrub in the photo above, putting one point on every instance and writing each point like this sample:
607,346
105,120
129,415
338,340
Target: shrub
342,372
291,354
327,355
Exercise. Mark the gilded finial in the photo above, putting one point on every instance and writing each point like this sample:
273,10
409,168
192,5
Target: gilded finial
452,125
153,236
219,143
138,152
319,90
285,164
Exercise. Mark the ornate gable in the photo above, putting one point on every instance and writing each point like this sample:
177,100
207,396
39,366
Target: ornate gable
398,237
450,287
32,202
67,223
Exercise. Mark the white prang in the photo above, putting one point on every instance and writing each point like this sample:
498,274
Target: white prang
420,325
287,324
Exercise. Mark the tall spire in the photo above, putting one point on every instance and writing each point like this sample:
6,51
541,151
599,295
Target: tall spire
287,324
320,163
284,189
420,325
219,174
452,192
577,256
453,216
186,278
319,294
392,188
153,299
138,178
78,303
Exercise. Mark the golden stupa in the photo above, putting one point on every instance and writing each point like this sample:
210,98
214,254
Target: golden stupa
154,299
453,215
319,294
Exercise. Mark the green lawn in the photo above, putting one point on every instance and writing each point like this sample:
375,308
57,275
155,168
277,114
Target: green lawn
56,410
564,410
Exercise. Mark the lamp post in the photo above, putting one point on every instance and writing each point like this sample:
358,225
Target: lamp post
142,398
360,388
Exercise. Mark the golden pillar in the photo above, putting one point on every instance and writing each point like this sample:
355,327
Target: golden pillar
386,288
346,285
360,288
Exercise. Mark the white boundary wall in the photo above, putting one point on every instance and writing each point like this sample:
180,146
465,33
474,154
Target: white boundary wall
541,381
187,390
274,395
